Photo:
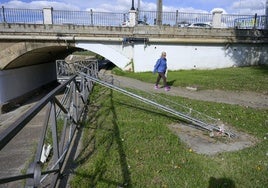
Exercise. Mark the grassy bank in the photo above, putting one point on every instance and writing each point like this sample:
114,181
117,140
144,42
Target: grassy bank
238,79
127,143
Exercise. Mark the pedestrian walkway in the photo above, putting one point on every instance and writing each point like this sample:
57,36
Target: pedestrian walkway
243,98
16,155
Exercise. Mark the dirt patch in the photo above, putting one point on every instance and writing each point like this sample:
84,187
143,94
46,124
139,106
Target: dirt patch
202,142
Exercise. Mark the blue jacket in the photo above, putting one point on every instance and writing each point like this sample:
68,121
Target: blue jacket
160,65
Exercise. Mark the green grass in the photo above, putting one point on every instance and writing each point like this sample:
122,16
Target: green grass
238,79
127,143
86,53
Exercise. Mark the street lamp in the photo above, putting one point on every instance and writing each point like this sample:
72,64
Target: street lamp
159,12
240,7
132,8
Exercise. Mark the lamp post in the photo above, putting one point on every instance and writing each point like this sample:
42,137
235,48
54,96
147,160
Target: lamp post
239,6
132,7
132,16
159,12
266,14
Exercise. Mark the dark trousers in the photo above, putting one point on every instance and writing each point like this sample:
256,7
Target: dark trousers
161,75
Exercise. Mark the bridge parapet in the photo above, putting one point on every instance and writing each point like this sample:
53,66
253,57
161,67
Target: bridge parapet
129,48
29,32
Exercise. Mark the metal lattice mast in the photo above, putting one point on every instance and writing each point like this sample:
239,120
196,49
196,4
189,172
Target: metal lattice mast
187,118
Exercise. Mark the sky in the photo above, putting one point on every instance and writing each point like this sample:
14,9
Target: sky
245,7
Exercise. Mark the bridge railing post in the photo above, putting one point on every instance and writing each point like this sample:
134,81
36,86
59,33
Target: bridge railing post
91,17
48,18
133,18
216,19
3,14
177,18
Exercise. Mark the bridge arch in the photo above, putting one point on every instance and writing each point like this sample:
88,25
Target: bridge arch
22,54
27,66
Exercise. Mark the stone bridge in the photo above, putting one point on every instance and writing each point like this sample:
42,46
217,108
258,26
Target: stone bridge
28,51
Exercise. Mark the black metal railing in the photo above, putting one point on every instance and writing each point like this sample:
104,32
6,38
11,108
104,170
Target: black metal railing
174,18
244,21
88,18
63,109
15,15
94,18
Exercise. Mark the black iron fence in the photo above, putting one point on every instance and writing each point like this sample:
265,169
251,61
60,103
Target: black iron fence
244,21
59,113
14,15
174,18
88,18
94,18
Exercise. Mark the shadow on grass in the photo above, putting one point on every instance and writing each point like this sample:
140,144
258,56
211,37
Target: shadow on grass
170,83
221,183
123,161
262,68
101,145
70,158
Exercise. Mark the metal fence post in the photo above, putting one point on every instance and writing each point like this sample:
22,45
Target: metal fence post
91,17
255,21
3,13
177,17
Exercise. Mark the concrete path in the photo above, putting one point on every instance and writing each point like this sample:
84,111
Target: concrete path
245,98
16,155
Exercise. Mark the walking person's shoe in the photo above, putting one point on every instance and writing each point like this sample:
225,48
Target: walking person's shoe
167,88
156,87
